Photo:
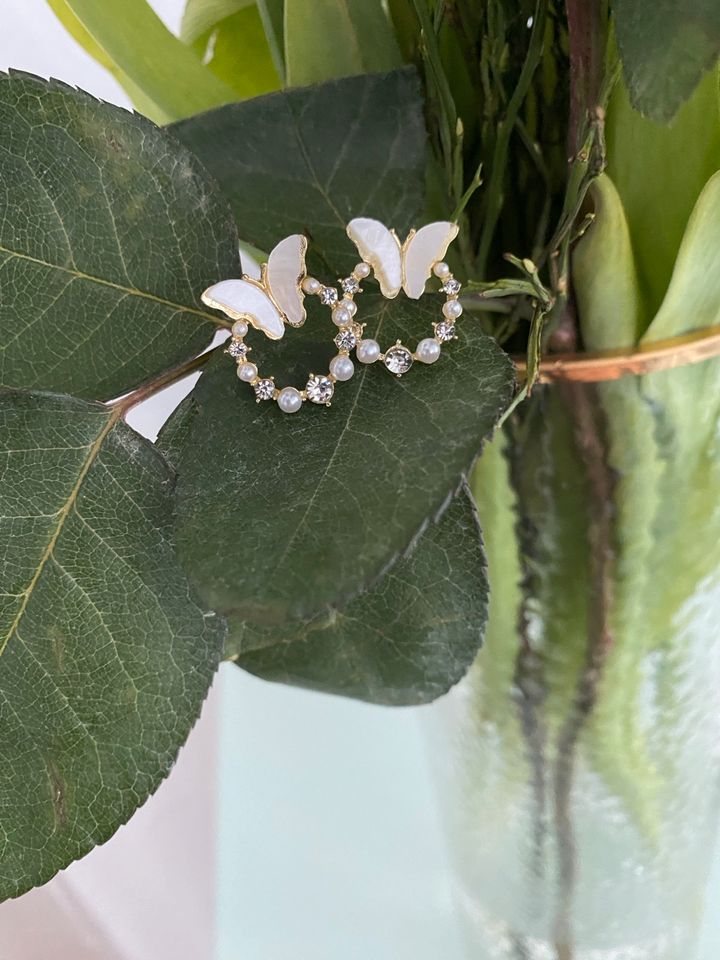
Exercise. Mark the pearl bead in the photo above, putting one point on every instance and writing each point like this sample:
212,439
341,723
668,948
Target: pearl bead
428,350
341,316
311,285
289,400
349,305
452,309
239,328
362,270
247,372
342,368
367,351
441,270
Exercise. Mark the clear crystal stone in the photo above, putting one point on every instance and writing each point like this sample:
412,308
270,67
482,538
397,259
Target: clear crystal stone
444,331
237,349
350,285
451,286
319,389
328,296
265,389
398,360
346,340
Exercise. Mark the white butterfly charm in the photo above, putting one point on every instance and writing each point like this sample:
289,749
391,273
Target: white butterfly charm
274,300
405,266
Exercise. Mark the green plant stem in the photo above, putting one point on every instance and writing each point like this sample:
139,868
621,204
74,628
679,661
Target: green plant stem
505,128
436,74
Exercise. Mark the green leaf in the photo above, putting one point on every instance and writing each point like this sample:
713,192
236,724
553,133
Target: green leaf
659,173
136,40
106,658
407,640
665,47
272,13
229,38
201,16
406,25
326,501
337,38
308,161
77,31
109,232
693,297
604,278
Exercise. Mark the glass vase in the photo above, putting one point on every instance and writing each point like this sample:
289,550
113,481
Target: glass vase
579,761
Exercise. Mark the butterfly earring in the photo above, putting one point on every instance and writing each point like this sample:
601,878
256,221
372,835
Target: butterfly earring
268,304
407,267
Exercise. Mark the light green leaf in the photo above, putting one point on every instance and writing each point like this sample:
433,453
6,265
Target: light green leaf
663,449
604,278
109,232
77,31
659,173
233,45
106,658
238,53
665,47
407,640
406,25
309,160
693,297
326,501
136,40
200,16
337,38
272,13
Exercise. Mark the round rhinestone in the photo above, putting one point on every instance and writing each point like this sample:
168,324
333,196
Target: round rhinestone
350,285
346,340
444,331
451,286
328,296
319,389
237,349
265,389
398,360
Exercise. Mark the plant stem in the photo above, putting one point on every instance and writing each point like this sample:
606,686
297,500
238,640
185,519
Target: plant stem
587,21
588,429
165,379
502,142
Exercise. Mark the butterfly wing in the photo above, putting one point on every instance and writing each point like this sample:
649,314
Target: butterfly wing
246,300
284,276
422,251
379,247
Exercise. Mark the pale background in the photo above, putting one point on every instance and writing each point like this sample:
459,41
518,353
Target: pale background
294,826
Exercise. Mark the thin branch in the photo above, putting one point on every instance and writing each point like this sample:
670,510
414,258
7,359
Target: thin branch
166,379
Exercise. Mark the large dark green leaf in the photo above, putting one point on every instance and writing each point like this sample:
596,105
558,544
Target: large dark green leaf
105,658
665,47
282,517
307,161
406,640
109,232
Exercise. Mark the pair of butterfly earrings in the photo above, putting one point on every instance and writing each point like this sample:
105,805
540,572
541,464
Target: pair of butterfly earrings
276,300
